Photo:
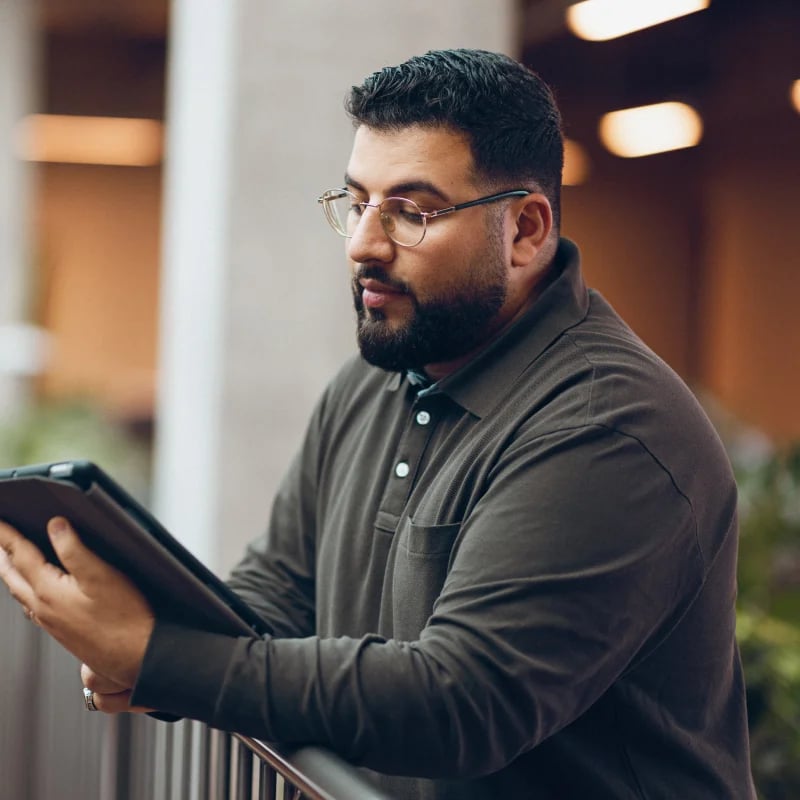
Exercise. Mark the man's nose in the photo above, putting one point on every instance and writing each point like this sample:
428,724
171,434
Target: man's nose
370,241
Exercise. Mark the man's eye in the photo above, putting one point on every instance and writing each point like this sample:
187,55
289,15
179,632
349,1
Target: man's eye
357,209
405,211
409,215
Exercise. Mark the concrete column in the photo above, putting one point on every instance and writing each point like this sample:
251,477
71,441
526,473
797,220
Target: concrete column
20,651
18,342
256,313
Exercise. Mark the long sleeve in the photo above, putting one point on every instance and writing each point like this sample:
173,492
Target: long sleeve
540,613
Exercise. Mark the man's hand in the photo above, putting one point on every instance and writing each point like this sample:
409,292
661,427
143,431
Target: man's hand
108,695
92,609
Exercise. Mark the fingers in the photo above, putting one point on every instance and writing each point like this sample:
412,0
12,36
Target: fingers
12,551
31,579
25,558
99,683
108,695
8,536
19,551
29,562
92,609
112,703
77,559
91,574
117,703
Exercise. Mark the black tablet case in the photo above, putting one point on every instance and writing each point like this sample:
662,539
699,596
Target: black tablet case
110,523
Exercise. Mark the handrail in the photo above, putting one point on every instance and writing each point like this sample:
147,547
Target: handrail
317,773
132,756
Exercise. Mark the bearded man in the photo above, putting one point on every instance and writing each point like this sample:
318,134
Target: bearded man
503,562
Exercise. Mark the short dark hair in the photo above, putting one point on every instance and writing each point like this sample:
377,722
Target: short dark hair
507,112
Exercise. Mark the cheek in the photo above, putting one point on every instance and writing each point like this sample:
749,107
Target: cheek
435,270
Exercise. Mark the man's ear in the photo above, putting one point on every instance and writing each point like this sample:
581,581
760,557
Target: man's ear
533,222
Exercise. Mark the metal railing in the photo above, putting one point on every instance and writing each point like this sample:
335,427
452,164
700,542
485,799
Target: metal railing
51,747
223,766
148,760
306,772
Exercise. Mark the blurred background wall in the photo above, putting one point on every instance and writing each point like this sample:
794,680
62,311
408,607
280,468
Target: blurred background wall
695,247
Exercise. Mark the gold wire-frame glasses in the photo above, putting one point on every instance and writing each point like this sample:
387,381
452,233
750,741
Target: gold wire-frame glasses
403,221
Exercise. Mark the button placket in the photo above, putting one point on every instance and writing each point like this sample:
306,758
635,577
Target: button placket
413,443
419,429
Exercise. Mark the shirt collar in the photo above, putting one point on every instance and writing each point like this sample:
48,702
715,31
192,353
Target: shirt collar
483,382
418,379
421,382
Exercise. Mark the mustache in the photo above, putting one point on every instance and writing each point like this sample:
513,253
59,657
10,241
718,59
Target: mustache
376,272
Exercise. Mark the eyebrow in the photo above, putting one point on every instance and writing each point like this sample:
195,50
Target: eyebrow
401,189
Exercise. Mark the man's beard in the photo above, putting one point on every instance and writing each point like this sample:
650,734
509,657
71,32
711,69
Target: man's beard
439,329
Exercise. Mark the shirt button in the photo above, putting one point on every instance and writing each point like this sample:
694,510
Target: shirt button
423,418
402,469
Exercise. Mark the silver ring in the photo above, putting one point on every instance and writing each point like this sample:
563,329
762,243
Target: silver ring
88,698
28,614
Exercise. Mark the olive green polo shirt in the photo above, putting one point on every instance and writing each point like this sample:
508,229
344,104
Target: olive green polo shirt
516,583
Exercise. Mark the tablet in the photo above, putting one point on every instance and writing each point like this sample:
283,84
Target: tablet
123,533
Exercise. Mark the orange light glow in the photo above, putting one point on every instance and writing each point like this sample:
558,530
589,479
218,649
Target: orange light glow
658,128
796,95
576,164
599,20
111,141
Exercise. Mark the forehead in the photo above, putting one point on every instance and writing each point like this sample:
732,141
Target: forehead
383,159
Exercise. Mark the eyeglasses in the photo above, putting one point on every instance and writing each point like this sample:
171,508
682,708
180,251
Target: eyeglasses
403,221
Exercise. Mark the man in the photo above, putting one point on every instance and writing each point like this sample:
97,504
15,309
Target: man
503,562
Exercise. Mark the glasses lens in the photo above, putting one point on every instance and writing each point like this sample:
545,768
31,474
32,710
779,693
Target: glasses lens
342,211
403,221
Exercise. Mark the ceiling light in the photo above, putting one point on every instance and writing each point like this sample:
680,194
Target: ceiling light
576,163
598,20
796,95
658,128
111,141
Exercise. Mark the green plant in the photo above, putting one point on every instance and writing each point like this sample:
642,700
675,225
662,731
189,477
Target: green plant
769,617
45,432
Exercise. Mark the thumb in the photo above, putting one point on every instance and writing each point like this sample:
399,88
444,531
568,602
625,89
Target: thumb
76,558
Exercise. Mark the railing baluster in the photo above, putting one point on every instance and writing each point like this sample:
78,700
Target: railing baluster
219,778
244,773
266,781
220,766
206,767
185,791
224,765
123,760
291,793
312,773
168,761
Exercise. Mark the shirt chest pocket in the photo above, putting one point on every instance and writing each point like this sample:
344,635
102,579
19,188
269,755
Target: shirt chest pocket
421,561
